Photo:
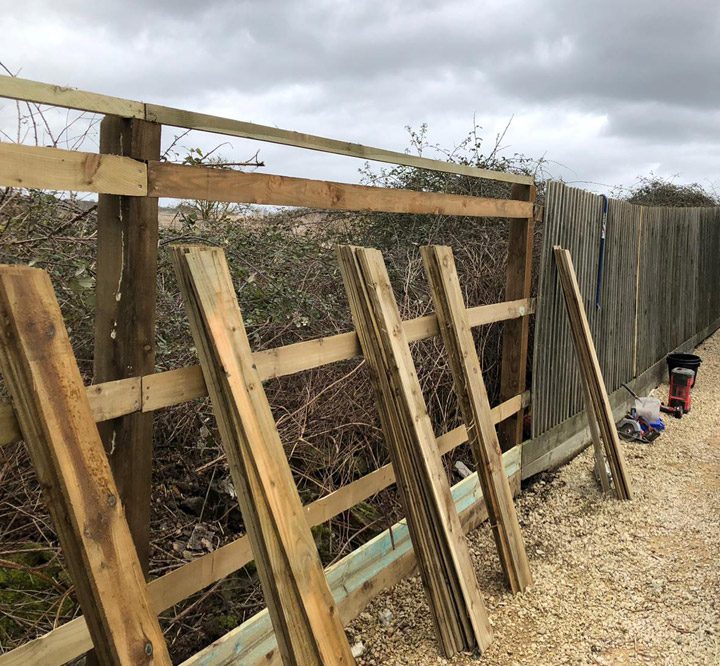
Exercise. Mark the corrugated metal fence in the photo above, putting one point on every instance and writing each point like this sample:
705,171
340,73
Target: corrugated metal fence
661,285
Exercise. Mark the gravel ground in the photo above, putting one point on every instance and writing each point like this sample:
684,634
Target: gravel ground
615,583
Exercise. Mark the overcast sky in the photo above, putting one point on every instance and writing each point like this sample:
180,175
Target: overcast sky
605,91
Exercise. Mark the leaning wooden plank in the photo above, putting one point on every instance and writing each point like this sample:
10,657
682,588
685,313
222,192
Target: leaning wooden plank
148,393
56,169
308,628
178,181
456,605
598,404
475,407
43,378
590,368
72,639
71,98
601,471
355,579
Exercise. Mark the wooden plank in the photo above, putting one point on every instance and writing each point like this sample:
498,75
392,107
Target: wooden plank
68,98
173,387
72,98
590,368
72,639
246,130
42,376
475,407
125,297
518,283
301,606
178,181
109,400
456,605
55,169
569,438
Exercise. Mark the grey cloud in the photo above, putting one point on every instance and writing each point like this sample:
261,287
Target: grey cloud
607,89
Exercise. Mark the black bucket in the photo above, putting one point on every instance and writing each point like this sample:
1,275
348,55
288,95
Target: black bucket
680,360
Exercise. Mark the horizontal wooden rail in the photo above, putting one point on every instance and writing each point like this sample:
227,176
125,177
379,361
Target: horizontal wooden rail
177,181
73,639
56,169
110,400
70,98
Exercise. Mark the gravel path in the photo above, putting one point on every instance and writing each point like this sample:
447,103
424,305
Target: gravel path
615,583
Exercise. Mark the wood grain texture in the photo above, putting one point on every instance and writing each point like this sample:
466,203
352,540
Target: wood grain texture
71,170
645,245
474,405
125,297
456,605
196,182
356,579
69,98
42,376
305,619
229,127
72,98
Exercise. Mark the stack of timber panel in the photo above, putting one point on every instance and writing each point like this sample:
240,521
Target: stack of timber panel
594,385
456,605
475,407
306,621
57,424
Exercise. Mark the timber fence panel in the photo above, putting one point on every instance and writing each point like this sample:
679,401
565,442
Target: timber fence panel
660,287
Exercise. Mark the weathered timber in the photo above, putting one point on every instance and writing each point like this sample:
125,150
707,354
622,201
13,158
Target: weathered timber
590,369
518,284
125,296
304,615
42,376
172,387
71,98
474,405
72,639
356,579
198,182
56,169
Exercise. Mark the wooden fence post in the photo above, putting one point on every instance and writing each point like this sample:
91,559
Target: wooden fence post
53,410
474,405
125,297
518,284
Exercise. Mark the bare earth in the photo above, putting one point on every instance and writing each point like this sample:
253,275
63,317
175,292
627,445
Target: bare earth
615,583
